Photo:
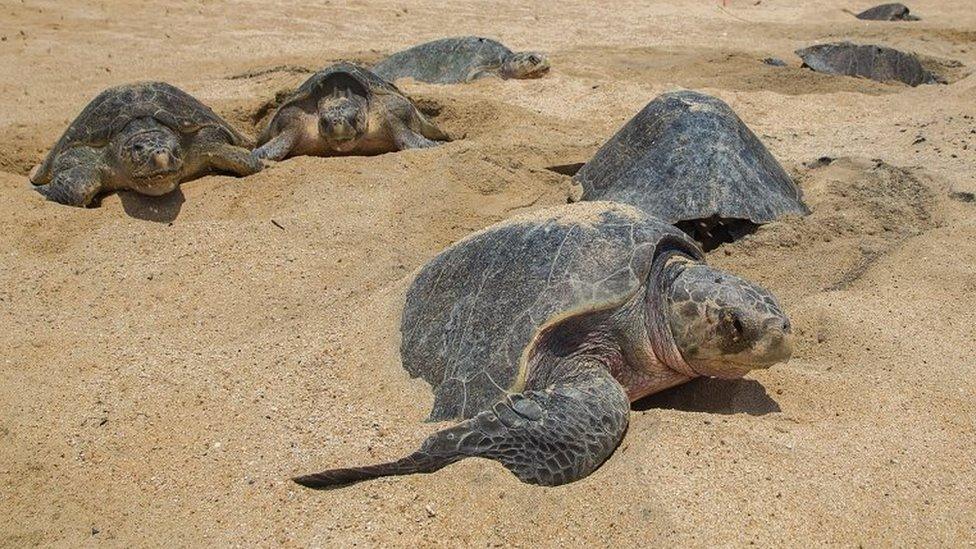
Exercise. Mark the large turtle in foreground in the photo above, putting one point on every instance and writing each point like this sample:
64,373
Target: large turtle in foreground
345,109
539,331
461,59
147,137
868,61
688,159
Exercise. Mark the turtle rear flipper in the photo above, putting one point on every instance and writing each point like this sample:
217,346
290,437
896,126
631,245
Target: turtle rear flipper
548,437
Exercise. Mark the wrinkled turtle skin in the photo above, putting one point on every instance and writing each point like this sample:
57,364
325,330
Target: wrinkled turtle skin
147,137
688,159
461,59
537,333
346,109
867,61
887,12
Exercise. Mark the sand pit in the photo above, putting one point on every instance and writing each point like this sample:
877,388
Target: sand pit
169,363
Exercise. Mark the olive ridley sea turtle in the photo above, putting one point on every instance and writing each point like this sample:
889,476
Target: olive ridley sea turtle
539,331
869,61
148,137
689,160
461,59
887,12
345,109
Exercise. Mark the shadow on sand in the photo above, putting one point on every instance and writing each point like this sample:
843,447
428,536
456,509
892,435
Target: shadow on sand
714,396
159,209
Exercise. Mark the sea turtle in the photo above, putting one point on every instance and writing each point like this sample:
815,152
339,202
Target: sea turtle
461,59
688,159
148,137
346,109
869,61
539,331
887,12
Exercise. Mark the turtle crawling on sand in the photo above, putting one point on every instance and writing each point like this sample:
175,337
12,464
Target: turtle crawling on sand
868,61
147,137
689,160
461,59
345,109
539,331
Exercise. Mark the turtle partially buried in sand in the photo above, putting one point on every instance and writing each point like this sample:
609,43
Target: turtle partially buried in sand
146,137
539,331
887,12
688,159
878,63
461,59
345,109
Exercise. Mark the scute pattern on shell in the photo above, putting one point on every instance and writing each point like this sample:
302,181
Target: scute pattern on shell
685,156
444,61
370,82
473,309
114,108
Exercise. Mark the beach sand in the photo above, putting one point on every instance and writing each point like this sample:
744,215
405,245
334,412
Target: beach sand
168,364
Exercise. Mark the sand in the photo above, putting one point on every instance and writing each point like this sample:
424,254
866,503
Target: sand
169,363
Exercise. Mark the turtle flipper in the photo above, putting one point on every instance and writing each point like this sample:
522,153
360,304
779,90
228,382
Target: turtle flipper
233,159
549,437
406,138
417,462
279,146
77,178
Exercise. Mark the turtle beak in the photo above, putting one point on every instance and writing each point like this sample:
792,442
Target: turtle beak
161,160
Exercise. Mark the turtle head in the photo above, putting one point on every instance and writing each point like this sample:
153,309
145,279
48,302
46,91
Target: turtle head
525,64
725,326
342,119
150,156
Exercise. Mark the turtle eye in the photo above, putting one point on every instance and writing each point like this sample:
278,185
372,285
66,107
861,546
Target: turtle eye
737,325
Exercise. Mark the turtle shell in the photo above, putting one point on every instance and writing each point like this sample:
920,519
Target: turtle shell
346,76
444,61
887,12
868,61
113,109
687,156
473,310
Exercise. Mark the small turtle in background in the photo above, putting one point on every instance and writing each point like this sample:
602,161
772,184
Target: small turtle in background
869,61
689,160
539,331
146,137
345,109
887,12
462,59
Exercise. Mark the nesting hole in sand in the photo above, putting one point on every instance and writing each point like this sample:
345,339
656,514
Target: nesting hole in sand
567,169
714,231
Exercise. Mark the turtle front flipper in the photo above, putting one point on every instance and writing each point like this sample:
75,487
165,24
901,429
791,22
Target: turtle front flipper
77,178
405,138
280,145
550,436
233,159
